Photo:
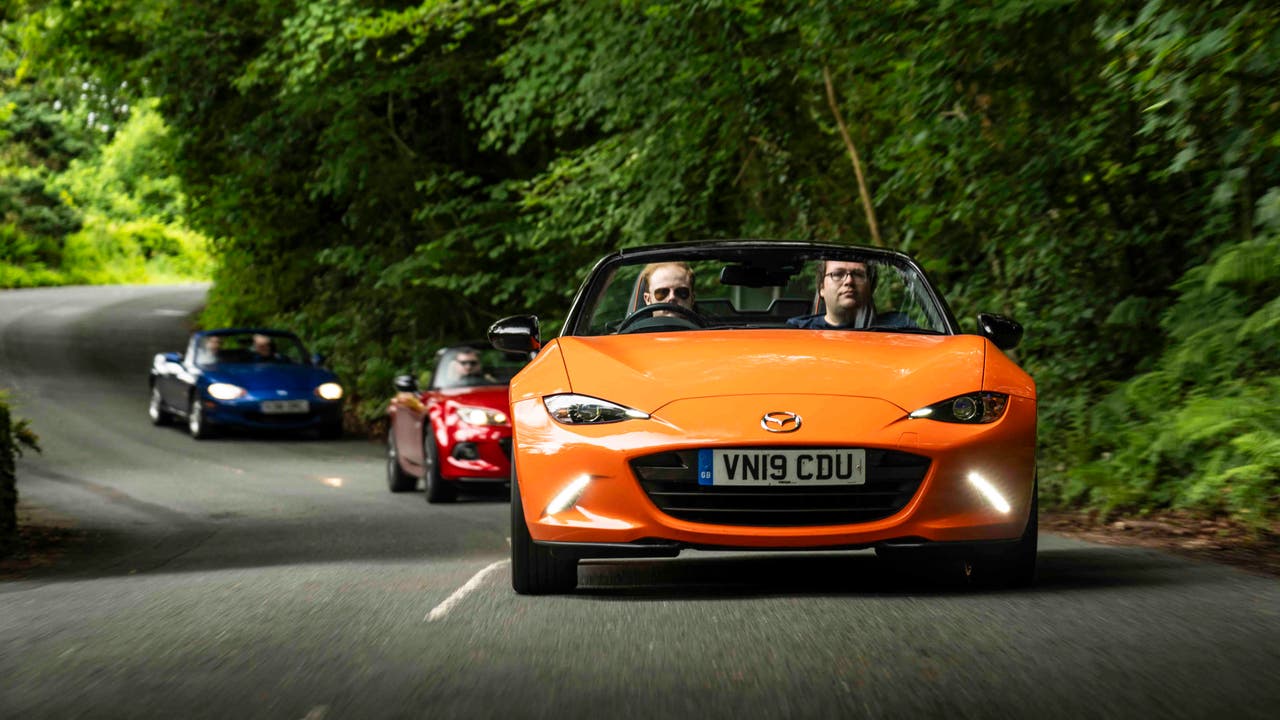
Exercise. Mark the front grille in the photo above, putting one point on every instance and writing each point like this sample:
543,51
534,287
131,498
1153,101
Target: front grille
670,479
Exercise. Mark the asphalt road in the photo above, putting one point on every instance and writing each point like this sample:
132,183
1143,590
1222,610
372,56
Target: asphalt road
278,578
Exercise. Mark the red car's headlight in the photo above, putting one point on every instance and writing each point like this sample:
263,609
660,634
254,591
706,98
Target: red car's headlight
481,416
972,408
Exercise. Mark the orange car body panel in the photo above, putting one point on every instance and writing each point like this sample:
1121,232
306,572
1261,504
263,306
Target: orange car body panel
710,388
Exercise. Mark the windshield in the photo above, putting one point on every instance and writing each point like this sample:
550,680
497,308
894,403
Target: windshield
736,288
473,366
249,347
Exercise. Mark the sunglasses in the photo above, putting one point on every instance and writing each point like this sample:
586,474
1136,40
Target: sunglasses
468,363
660,294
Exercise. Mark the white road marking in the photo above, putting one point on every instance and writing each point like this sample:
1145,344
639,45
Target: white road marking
317,713
439,611
170,312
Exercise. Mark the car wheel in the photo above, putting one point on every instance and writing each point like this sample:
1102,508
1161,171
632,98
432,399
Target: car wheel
197,425
156,408
1015,566
397,479
438,490
536,570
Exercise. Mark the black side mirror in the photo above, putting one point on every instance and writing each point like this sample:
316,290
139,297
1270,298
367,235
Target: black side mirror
405,383
1005,332
173,357
516,334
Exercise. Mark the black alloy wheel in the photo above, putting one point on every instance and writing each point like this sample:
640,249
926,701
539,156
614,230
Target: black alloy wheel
398,480
438,490
197,425
536,570
159,416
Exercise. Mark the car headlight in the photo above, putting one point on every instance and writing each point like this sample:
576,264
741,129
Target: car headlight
481,415
573,409
972,408
225,391
329,391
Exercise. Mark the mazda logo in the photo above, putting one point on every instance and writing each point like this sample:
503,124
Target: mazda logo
780,421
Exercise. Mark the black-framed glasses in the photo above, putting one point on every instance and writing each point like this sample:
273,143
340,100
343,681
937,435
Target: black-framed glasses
839,276
660,294
468,363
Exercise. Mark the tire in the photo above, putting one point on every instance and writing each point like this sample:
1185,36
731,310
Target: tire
438,490
159,416
398,480
197,426
536,570
1016,566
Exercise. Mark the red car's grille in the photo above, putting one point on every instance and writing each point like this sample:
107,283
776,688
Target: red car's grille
670,479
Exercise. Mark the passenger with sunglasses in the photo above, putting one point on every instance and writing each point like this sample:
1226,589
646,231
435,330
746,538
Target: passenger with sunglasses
668,282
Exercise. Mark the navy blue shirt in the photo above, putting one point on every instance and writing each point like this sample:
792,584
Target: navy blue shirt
819,322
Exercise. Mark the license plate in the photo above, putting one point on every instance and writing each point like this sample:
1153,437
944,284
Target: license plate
280,407
782,467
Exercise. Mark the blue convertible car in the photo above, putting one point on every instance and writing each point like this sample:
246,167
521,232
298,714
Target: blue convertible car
245,377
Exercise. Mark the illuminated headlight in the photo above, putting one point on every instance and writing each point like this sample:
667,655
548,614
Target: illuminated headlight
973,408
225,391
583,410
481,416
330,391
569,496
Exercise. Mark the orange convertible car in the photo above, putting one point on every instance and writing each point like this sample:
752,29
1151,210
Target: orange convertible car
755,395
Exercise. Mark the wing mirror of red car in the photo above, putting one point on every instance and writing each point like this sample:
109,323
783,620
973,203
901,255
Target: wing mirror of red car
516,334
405,383
1005,332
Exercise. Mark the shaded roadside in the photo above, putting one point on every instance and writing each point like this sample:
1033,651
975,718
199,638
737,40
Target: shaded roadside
1215,540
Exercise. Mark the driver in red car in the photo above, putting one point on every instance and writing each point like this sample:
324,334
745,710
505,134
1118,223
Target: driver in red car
668,282
467,368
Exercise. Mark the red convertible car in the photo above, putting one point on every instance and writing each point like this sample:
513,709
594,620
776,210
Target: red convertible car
458,430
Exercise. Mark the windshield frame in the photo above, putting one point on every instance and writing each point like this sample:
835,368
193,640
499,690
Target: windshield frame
577,323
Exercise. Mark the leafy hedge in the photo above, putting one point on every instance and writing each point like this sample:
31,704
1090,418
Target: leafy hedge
14,436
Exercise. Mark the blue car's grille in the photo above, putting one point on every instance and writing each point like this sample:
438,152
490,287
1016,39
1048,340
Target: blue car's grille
670,479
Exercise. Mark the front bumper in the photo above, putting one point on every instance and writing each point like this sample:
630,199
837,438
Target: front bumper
614,513
247,413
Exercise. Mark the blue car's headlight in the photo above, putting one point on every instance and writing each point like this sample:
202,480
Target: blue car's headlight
330,391
225,391
972,408
573,409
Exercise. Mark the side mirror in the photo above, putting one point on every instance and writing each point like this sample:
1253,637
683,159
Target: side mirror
173,357
1005,332
516,334
405,383
317,359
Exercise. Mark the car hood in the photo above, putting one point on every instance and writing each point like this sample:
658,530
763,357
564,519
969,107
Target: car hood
648,371
490,396
268,376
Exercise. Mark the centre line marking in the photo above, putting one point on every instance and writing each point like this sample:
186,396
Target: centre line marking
443,608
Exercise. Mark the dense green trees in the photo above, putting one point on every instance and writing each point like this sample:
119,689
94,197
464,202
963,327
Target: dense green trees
384,175
87,194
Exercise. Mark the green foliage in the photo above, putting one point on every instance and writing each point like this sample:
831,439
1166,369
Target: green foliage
15,435
87,192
